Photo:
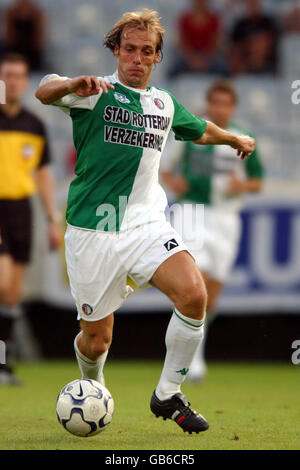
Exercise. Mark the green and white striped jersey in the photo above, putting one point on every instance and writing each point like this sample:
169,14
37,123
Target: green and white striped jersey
119,138
208,168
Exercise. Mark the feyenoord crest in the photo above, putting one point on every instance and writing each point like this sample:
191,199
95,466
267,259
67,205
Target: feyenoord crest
121,98
87,309
27,151
159,103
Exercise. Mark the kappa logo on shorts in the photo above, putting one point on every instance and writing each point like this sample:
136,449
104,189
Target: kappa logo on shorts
87,309
121,98
159,103
171,244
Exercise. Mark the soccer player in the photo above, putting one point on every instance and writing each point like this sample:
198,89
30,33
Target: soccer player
212,175
24,165
116,220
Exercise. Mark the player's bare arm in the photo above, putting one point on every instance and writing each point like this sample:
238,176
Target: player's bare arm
83,86
214,135
46,187
240,186
177,183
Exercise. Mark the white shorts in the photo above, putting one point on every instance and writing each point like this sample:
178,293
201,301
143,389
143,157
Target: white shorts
99,263
215,247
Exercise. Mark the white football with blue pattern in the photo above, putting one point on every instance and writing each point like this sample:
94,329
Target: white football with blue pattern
84,407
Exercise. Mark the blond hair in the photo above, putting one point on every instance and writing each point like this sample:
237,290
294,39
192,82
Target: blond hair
145,20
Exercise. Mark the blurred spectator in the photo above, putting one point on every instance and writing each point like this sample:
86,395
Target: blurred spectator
198,41
24,31
292,20
25,169
254,42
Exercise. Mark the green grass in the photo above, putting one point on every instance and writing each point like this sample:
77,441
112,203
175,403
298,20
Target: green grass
249,406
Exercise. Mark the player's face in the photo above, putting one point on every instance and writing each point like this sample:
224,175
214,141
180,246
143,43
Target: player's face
136,57
220,108
15,76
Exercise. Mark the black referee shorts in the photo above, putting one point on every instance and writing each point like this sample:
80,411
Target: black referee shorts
16,229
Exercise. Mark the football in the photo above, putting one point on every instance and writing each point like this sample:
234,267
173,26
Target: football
84,407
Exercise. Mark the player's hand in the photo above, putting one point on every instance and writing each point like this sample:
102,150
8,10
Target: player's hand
236,185
179,185
244,145
88,85
54,235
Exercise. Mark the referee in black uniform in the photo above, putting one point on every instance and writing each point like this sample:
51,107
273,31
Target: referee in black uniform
24,168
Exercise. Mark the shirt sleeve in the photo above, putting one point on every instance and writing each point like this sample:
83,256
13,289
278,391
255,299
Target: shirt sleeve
71,100
254,167
186,125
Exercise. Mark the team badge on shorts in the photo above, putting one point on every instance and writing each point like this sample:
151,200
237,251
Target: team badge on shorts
159,103
171,244
87,309
121,98
27,151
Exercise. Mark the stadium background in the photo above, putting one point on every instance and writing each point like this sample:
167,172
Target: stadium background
262,297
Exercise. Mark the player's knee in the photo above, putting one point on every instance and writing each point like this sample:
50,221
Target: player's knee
197,303
4,287
8,294
194,302
99,344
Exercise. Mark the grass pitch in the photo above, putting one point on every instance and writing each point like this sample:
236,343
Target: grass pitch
248,406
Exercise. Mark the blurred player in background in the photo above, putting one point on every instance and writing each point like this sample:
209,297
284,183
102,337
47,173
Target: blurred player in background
213,176
120,127
24,26
24,166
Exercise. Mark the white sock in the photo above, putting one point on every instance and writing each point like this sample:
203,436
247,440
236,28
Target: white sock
182,339
197,368
198,365
90,369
